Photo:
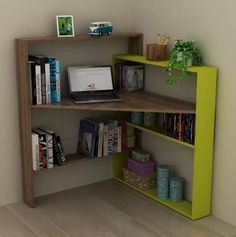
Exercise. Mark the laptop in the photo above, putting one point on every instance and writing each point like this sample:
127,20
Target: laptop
91,84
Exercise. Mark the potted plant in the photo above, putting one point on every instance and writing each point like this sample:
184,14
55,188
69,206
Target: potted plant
183,55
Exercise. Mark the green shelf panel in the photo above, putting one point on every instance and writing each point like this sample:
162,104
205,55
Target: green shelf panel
142,59
155,132
185,207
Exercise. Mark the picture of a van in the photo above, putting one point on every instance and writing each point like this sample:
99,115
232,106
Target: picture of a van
100,28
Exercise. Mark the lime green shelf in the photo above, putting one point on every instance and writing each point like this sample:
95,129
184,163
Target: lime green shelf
142,59
206,78
185,207
155,132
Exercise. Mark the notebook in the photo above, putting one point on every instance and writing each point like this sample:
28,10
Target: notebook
91,84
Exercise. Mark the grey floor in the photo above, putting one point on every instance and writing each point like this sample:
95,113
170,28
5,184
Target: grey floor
106,209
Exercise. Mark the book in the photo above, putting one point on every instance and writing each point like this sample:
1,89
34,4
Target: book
105,140
87,137
55,80
35,83
35,151
134,77
129,77
111,129
99,139
47,80
119,143
59,150
42,148
58,82
50,147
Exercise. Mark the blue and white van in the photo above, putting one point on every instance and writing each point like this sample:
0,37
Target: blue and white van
100,28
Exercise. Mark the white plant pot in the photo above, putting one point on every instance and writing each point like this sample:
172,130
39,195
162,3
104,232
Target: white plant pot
180,58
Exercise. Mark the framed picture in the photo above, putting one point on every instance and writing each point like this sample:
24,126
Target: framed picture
65,26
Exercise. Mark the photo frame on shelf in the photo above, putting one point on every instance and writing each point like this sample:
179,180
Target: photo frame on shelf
65,26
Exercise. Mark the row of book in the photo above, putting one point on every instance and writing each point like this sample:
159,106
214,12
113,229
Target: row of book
129,77
44,76
47,149
101,137
179,126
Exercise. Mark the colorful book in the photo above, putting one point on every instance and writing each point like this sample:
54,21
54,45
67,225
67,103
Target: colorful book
42,148
50,150
55,80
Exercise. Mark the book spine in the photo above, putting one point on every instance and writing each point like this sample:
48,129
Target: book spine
119,144
110,138
40,158
57,159
38,84
43,81
49,151
35,151
58,83
52,62
115,136
100,139
60,150
47,80
32,82
105,141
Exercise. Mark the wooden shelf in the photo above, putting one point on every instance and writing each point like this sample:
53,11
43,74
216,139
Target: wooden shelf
82,37
184,207
75,158
157,132
142,59
133,101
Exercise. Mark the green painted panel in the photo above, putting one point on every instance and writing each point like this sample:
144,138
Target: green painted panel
155,132
204,138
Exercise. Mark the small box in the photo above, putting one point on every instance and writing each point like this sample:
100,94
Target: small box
141,182
140,167
140,155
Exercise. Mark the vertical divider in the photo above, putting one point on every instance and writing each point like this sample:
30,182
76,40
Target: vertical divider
25,121
204,139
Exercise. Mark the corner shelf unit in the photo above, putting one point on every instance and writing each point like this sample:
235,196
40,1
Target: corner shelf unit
204,110
134,46
135,101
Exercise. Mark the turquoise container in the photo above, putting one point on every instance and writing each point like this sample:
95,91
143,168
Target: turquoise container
176,189
137,117
163,180
149,119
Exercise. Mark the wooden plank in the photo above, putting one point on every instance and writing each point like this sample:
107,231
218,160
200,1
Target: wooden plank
133,101
136,45
51,39
35,221
11,226
25,121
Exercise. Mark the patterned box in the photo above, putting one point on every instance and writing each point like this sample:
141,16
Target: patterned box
141,182
140,167
140,155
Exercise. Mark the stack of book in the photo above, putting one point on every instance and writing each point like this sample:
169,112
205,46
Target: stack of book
179,126
129,77
102,137
44,76
47,150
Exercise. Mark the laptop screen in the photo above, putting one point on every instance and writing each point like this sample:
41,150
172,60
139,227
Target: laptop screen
82,79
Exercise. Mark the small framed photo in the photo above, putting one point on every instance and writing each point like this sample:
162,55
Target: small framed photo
65,26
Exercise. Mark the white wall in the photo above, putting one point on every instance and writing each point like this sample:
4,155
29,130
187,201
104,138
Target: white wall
211,24
21,18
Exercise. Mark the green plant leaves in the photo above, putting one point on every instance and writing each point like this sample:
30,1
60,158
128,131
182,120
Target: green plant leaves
181,54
